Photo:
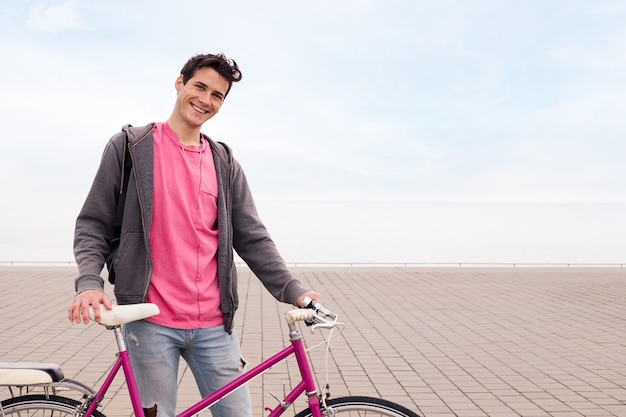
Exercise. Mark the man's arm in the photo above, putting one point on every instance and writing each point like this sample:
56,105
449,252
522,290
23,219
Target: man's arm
255,246
94,229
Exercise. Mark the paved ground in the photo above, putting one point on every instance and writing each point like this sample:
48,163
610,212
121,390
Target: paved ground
442,341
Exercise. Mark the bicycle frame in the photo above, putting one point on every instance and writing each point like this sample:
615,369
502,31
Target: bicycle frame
296,347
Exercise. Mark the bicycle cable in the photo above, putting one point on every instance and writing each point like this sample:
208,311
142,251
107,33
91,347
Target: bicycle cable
326,341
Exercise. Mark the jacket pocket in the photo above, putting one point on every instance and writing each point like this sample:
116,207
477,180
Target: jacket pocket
130,266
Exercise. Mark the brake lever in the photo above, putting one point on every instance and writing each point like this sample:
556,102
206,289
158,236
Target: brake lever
327,321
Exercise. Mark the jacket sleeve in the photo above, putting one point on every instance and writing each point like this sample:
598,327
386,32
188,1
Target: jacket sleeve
255,246
94,224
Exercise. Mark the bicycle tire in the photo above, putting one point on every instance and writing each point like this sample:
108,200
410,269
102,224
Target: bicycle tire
42,406
362,407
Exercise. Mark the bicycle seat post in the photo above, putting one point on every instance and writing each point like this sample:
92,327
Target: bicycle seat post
119,338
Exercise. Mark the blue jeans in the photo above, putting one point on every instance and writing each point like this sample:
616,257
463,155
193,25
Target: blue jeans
212,354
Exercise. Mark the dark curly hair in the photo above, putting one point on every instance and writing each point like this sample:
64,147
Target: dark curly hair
226,67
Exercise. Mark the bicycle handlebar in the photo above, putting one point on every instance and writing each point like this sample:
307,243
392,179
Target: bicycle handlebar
314,314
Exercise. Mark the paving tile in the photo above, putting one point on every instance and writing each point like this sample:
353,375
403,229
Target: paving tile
441,341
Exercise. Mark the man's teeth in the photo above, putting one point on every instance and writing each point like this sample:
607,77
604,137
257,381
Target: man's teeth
199,110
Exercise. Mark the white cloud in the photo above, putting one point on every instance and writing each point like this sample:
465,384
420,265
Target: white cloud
55,18
613,8
408,100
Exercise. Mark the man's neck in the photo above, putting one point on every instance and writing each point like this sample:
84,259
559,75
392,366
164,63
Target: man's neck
186,135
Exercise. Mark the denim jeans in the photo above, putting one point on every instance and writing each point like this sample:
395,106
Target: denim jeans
212,354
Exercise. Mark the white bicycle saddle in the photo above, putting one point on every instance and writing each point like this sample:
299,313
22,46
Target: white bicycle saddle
20,374
122,314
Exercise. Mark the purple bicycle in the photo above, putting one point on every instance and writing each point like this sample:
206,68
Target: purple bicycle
25,377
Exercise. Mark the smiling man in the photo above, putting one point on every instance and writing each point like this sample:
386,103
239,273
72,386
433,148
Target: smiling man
186,208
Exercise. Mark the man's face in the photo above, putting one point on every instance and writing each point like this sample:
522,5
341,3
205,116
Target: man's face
201,98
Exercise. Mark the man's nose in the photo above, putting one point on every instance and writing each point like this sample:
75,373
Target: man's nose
205,98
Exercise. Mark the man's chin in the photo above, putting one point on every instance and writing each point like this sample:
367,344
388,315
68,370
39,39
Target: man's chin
198,121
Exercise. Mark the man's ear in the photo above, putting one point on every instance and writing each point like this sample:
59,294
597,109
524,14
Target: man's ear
178,85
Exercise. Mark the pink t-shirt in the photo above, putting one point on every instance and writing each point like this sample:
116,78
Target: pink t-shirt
183,235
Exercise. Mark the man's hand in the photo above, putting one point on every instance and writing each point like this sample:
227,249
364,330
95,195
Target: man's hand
314,296
79,309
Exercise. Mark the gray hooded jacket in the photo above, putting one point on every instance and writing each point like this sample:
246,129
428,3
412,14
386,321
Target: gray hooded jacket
239,227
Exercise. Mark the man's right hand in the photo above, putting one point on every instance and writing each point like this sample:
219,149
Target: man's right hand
79,309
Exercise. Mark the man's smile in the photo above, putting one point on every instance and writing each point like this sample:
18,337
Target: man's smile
198,109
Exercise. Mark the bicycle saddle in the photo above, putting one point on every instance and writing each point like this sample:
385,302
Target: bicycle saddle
29,373
122,314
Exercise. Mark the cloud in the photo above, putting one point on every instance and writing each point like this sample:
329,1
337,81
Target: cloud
402,98
55,18
358,99
612,8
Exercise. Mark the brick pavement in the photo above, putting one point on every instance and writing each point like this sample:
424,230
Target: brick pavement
442,341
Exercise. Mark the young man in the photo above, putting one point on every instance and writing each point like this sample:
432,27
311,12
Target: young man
187,206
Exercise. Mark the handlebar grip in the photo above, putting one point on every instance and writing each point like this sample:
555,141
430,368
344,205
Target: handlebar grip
300,314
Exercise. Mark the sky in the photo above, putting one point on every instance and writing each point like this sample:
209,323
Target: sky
355,100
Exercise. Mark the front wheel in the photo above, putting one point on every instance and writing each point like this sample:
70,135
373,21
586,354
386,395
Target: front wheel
41,406
361,406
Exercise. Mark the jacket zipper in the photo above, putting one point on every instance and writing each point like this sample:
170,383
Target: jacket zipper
146,235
